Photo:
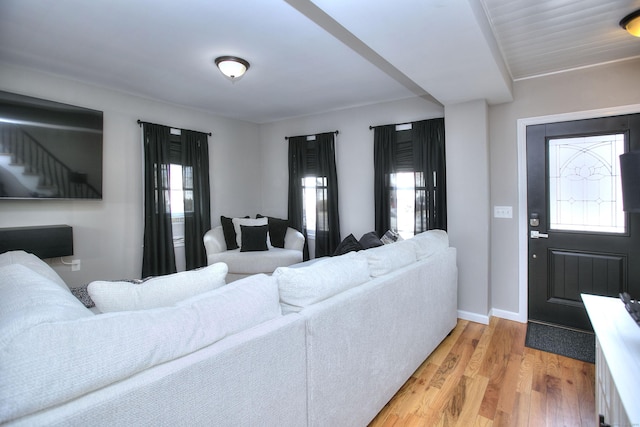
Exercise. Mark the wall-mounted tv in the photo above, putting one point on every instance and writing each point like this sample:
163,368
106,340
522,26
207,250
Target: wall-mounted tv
49,150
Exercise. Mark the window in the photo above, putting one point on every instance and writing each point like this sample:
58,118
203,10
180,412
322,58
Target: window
176,194
314,191
585,190
180,180
174,158
403,185
405,203
409,177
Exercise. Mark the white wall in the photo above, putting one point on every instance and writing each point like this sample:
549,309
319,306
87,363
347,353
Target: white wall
607,86
108,234
354,156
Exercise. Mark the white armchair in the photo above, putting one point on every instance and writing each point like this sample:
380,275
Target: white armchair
242,264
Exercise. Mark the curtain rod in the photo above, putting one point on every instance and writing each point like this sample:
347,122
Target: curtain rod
140,122
396,124
287,137
408,123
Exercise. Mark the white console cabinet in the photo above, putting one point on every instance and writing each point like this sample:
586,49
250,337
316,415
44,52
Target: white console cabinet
617,361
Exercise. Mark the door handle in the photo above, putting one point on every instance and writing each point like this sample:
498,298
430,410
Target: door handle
535,234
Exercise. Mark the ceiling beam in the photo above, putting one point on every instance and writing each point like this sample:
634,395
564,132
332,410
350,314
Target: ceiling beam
330,25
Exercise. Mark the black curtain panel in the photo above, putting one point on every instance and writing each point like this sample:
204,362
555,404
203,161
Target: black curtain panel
297,166
195,185
430,172
384,159
315,158
327,218
158,255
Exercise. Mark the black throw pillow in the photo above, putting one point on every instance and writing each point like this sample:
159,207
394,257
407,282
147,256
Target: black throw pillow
229,232
370,240
254,238
349,244
277,230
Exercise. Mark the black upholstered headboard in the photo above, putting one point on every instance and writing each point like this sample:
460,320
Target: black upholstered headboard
47,241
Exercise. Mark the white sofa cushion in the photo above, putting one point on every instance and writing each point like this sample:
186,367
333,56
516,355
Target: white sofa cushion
303,286
429,242
54,362
28,299
387,258
33,263
248,222
161,291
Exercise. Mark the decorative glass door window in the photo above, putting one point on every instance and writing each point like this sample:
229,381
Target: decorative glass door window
585,192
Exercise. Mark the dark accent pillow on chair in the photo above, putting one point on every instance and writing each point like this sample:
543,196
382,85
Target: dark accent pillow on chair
254,238
349,244
370,240
277,230
229,232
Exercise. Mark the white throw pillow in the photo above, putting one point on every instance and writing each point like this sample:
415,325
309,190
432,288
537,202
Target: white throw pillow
248,222
303,286
156,292
429,242
387,258
33,263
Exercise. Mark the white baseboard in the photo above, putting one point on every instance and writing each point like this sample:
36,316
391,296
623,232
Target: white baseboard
484,319
473,317
509,315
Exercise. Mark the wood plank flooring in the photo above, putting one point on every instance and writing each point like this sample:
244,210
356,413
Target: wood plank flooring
483,375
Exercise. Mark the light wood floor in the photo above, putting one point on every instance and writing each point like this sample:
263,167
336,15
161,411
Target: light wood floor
483,375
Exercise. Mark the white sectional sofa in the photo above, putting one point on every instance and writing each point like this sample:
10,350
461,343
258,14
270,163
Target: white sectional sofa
316,344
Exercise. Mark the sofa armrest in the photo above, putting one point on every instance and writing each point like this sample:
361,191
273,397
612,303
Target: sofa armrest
214,241
293,239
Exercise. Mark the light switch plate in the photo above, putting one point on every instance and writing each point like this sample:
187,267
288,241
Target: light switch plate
502,212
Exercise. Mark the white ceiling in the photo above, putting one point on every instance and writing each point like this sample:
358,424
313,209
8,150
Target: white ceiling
308,56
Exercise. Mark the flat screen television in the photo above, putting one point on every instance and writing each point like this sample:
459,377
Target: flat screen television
49,150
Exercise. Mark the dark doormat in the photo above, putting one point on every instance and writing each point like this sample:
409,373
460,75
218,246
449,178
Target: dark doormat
565,342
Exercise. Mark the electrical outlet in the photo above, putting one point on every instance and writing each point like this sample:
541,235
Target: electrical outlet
502,212
75,265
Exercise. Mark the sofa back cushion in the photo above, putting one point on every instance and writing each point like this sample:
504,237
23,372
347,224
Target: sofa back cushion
303,286
387,258
158,291
429,242
55,362
28,299
33,263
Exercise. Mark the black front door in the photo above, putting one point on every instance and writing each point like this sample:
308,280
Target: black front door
580,241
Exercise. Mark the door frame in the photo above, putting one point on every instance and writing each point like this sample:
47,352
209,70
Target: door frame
523,237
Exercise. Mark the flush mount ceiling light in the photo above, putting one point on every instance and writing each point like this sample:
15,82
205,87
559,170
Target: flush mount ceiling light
232,67
631,23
